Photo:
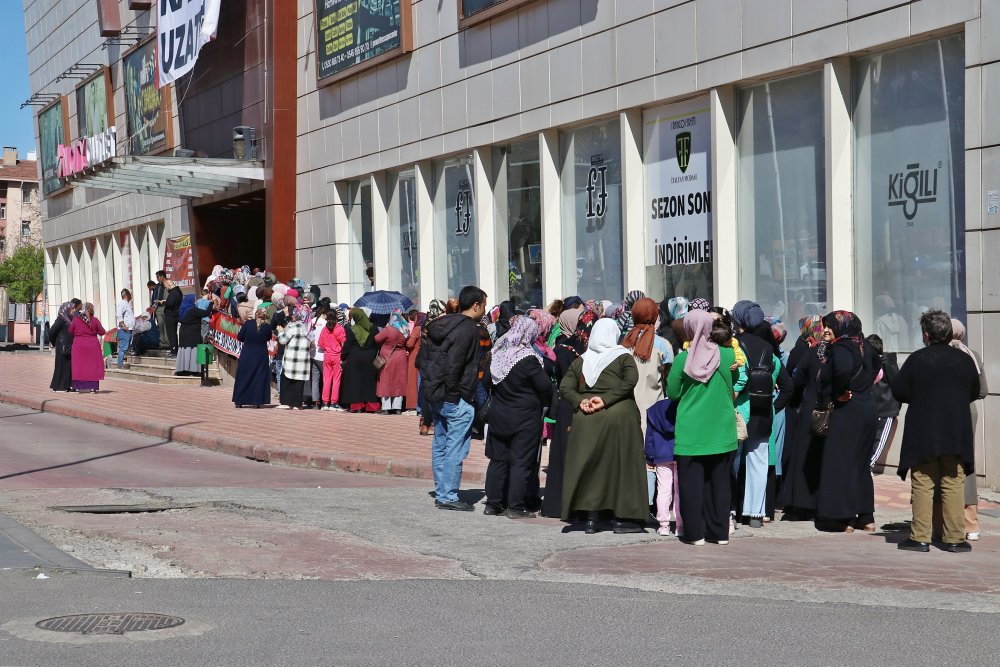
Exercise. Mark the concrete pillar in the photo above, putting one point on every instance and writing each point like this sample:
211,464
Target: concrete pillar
725,270
633,218
433,284
839,133
554,285
488,241
381,196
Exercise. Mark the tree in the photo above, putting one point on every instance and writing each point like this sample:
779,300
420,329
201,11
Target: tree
22,274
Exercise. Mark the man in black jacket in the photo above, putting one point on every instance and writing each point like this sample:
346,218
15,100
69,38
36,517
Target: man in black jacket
939,382
449,373
172,314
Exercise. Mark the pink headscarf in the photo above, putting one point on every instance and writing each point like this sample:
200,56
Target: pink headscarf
703,354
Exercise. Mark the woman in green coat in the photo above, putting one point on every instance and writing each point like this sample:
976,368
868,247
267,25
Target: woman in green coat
605,465
702,380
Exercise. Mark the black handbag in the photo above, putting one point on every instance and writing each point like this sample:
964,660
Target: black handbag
483,412
819,420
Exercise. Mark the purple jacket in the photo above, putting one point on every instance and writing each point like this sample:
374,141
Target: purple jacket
660,432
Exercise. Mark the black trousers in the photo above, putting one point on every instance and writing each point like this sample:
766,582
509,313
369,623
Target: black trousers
513,463
292,392
705,487
170,321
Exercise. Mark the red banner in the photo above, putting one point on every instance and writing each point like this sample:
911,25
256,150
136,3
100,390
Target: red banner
178,261
223,330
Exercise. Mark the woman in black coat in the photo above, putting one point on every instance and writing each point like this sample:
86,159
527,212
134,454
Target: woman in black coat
357,388
846,497
62,345
521,390
253,372
190,338
172,313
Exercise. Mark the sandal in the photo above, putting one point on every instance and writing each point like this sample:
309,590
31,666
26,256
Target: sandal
423,430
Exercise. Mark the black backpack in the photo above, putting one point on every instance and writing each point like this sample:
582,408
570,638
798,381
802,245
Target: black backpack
760,381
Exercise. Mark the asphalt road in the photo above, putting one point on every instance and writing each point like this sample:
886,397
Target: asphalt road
484,623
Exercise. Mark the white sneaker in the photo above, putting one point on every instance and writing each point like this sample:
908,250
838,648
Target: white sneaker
722,543
972,537
282,406
698,543
664,532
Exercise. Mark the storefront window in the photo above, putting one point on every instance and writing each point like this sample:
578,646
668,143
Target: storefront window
362,247
592,211
520,211
782,198
455,213
909,203
404,236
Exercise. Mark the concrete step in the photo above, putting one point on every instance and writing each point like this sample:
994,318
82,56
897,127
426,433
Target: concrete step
159,361
161,369
157,378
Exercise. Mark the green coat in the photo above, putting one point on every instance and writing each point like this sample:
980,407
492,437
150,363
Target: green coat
605,465
706,418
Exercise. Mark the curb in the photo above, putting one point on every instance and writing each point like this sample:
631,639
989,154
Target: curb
296,457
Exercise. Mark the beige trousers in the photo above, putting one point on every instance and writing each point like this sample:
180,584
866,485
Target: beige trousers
947,473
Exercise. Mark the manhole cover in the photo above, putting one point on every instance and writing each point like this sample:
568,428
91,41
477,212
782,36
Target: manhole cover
109,624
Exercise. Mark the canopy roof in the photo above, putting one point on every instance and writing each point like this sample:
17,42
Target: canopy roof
170,176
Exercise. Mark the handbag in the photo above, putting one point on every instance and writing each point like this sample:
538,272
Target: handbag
380,361
819,420
741,427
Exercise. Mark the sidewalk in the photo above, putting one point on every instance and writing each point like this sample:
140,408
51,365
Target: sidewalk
205,417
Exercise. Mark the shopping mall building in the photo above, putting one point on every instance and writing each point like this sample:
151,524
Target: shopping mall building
808,154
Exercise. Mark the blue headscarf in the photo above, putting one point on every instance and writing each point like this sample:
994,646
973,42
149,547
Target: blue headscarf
187,303
748,315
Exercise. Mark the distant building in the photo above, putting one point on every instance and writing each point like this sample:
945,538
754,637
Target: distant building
20,224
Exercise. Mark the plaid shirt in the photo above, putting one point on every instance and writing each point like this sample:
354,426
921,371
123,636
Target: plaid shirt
295,364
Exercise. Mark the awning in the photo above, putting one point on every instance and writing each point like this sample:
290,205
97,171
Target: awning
170,176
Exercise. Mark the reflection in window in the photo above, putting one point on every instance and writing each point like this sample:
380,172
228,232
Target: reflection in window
782,198
404,232
454,209
521,211
592,211
909,188
362,245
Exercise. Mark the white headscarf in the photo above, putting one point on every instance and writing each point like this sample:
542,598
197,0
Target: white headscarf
602,349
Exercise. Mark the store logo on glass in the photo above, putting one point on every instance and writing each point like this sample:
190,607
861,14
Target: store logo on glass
597,193
913,187
683,141
463,209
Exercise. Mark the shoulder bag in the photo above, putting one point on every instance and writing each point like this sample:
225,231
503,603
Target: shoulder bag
380,361
819,420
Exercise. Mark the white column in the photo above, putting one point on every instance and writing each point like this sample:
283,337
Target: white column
381,195
725,268
840,260
340,192
487,238
501,221
554,254
633,218
432,278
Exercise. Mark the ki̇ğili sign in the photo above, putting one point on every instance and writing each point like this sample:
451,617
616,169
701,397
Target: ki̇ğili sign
678,184
350,32
147,123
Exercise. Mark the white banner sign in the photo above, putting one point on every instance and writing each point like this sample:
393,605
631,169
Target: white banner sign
182,28
678,145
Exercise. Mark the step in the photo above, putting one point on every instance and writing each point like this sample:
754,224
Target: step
160,371
160,361
154,367
157,378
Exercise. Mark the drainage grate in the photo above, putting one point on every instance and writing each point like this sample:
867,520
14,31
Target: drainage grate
109,624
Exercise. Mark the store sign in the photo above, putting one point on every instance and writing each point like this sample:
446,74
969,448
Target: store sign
352,32
178,261
51,135
678,144
145,116
85,153
463,209
913,187
182,28
597,193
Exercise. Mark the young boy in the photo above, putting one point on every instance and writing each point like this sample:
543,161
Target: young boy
660,454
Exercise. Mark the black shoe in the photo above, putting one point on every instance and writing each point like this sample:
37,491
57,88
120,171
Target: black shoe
590,527
456,505
912,545
960,548
624,527
756,522
519,514
493,510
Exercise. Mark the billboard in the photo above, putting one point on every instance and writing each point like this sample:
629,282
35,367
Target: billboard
93,105
51,136
351,33
146,111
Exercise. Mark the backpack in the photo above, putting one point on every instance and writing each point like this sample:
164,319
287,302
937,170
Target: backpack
760,382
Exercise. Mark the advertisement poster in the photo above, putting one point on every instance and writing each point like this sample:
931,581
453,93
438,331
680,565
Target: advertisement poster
50,133
92,106
147,121
181,30
178,261
678,142
222,334
351,32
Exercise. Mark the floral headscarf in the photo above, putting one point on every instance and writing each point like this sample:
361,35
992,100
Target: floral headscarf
678,307
846,326
436,309
514,347
699,304
778,329
545,322
302,314
64,312
396,321
811,327
580,339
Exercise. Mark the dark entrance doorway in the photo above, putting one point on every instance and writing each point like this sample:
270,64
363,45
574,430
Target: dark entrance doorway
230,233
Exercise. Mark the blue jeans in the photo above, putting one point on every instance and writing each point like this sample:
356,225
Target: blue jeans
124,340
753,454
452,438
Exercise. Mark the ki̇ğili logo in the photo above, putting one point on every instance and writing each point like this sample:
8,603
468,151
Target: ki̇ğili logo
463,209
912,188
683,141
597,194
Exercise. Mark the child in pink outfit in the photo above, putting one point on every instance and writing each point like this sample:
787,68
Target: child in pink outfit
660,454
331,343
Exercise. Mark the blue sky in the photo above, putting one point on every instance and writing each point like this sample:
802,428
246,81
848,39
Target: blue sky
16,125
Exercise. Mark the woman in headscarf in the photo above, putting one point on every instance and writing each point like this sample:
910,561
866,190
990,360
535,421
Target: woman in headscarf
357,390
391,385
62,346
846,498
972,531
412,374
190,338
702,379
776,445
504,318
295,366
568,320
566,353
605,465
545,323
521,390
624,318
314,391
652,354
253,371
88,353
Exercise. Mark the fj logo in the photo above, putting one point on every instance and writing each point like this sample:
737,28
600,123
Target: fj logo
683,141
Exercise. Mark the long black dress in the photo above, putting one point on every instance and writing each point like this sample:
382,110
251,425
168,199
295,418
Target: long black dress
563,413
253,371
846,491
62,343
359,379
803,453
172,315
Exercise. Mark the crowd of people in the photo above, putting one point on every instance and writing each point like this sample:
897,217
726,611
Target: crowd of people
690,412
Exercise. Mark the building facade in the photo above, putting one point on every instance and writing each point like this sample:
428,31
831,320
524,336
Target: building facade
809,154
20,225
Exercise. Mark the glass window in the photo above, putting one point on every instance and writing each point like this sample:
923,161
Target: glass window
3,211
25,229
454,208
362,245
26,195
520,215
592,211
909,188
404,232
781,192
